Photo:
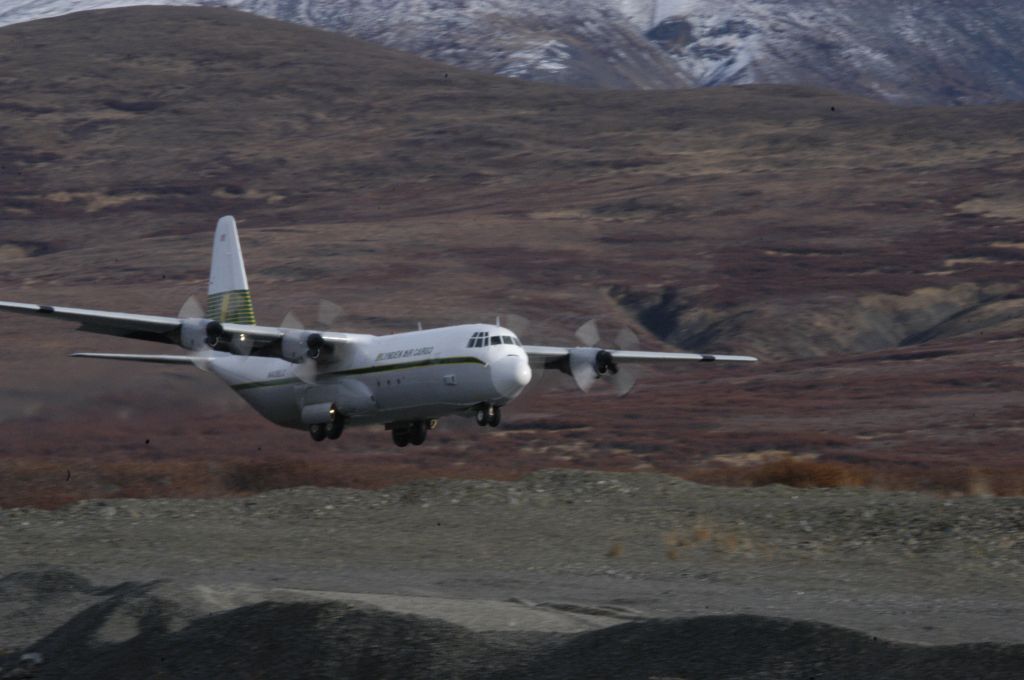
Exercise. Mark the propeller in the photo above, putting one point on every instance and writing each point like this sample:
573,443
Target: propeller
191,309
327,314
241,343
589,362
623,379
306,370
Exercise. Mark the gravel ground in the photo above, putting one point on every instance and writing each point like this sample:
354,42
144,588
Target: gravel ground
587,568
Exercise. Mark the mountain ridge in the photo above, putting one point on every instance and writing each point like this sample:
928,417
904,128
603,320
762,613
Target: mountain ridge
907,51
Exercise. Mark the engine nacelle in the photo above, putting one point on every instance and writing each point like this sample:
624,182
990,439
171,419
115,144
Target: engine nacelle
197,334
600,360
587,364
603,362
297,346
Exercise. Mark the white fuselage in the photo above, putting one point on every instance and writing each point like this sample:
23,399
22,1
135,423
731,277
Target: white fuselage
420,375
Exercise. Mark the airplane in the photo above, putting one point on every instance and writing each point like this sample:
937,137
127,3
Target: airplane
325,381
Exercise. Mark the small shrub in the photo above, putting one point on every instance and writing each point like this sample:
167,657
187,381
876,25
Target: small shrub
806,474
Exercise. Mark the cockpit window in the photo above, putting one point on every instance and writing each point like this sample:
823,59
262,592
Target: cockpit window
485,339
480,339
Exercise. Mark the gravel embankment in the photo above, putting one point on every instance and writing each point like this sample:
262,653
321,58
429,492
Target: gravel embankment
585,569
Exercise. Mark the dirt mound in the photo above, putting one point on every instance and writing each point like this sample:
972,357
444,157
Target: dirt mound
270,639
333,640
759,647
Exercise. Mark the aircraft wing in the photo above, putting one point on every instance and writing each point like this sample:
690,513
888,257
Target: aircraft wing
139,326
587,364
540,355
261,340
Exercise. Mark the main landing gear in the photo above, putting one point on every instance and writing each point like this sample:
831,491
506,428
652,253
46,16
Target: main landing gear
414,433
331,430
488,415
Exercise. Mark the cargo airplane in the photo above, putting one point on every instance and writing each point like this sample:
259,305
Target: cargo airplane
324,381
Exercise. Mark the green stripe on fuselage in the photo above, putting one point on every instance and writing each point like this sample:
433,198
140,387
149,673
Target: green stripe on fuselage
363,371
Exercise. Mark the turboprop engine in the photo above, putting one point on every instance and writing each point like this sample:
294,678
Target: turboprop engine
297,346
196,334
586,364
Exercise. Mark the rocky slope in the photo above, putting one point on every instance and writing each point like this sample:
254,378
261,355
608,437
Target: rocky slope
909,51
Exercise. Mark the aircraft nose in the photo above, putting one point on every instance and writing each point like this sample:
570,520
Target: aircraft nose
510,375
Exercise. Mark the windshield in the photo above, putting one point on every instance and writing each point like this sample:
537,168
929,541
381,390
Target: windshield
485,339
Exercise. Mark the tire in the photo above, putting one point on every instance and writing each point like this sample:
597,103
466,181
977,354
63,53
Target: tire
400,437
336,427
418,433
318,432
483,418
495,418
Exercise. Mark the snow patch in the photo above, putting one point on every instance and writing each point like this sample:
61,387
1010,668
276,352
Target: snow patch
548,56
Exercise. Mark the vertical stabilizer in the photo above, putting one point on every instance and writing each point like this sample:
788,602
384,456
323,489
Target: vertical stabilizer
228,298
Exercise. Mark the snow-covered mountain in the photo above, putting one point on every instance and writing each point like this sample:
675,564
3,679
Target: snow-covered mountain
912,51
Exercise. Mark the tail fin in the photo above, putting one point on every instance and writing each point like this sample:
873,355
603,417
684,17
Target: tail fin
227,297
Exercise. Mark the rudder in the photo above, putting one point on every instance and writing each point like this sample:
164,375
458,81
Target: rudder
227,296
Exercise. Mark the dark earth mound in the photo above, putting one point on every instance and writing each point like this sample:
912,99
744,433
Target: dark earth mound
330,640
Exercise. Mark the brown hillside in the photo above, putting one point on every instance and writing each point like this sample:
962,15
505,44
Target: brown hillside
869,254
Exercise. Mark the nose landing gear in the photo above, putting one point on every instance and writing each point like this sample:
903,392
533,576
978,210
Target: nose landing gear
488,415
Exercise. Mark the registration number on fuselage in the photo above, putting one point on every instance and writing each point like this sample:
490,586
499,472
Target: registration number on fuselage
405,353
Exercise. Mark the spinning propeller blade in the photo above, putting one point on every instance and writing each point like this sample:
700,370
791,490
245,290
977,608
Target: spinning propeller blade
191,309
584,362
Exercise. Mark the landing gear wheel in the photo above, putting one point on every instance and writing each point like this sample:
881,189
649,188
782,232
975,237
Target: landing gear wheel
495,418
318,432
335,427
418,433
483,416
400,437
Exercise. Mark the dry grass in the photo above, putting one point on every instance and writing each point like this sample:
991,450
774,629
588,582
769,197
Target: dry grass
53,482
954,480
